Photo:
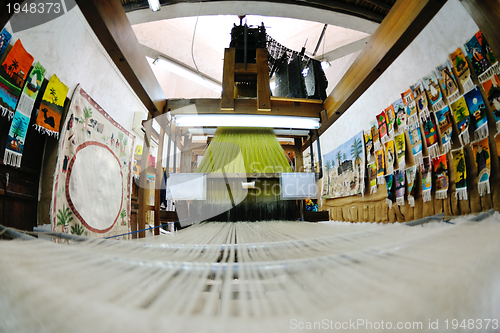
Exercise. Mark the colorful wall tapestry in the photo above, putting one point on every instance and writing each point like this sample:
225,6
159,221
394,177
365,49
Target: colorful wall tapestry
390,156
481,55
421,99
477,110
380,160
92,182
368,143
416,142
389,181
461,115
372,176
5,38
497,141
492,89
441,174
462,69
400,110
401,149
375,137
482,157
13,73
426,170
19,127
431,85
460,169
443,118
410,106
400,187
382,127
51,109
448,81
390,117
347,177
431,137
411,173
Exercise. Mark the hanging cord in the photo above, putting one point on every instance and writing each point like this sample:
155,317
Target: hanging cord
192,47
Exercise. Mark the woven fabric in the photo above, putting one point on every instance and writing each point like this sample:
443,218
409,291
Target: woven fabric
400,142
411,173
390,156
51,108
382,127
441,175
92,182
13,73
460,169
461,115
477,110
400,186
389,182
372,176
421,99
375,137
426,170
448,81
400,111
416,142
390,117
462,69
431,138
5,38
368,143
17,133
410,106
444,122
482,157
492,90
481,56
380,160
431,85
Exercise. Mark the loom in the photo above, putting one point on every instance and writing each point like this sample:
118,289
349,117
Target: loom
268,276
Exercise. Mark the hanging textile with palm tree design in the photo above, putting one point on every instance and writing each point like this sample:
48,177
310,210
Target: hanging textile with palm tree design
51,109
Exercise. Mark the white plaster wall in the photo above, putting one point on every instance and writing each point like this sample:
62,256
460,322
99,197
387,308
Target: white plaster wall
449,29
68,47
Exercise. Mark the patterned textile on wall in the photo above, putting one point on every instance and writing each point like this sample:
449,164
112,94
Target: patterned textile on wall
19,127
481,56
431,85
347,177
411,173
380,160
375,137
382,127
400,187
13,73
482,157
448,81
49,117
461,115
492,90
400,141
477,110
441,174
368,143
389,181
460,168
445,124
421,99
431,137
400,110
390,156
410,107
426,170
416,142
462,69
390,117
5,38
92,182
372,176
497,141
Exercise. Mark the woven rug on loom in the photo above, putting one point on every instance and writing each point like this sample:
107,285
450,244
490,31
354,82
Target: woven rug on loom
92,182
13,73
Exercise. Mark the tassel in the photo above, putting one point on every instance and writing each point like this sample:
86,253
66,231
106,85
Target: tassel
377,146
433,151
389,202
390,170
402,165
419,159
411,200
373,189
7,113
446,147
484,188
453,97
426,195
13,159
461,193
468,85
489,73
424,114
439,105
481,132
400,201
384,139
464,138
381,180
442,194
412,119
391,135
43,130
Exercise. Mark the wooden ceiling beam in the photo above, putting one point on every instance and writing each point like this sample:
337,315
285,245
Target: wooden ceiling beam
109,22
404,22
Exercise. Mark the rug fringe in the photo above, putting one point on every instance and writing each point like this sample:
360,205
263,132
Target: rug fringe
468,85
443,194
461,193
426,195
482,132
381,180
464,137
453,97
389,202
373,189
419,159
439,105
433,151
446,147
12,158
43,130
494,69
400,201
411,200
484,188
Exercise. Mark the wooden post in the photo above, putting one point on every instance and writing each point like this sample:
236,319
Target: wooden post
227,101
263,90
299,160
159,175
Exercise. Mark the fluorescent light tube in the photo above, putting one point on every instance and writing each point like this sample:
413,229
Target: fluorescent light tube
245,120
154,5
